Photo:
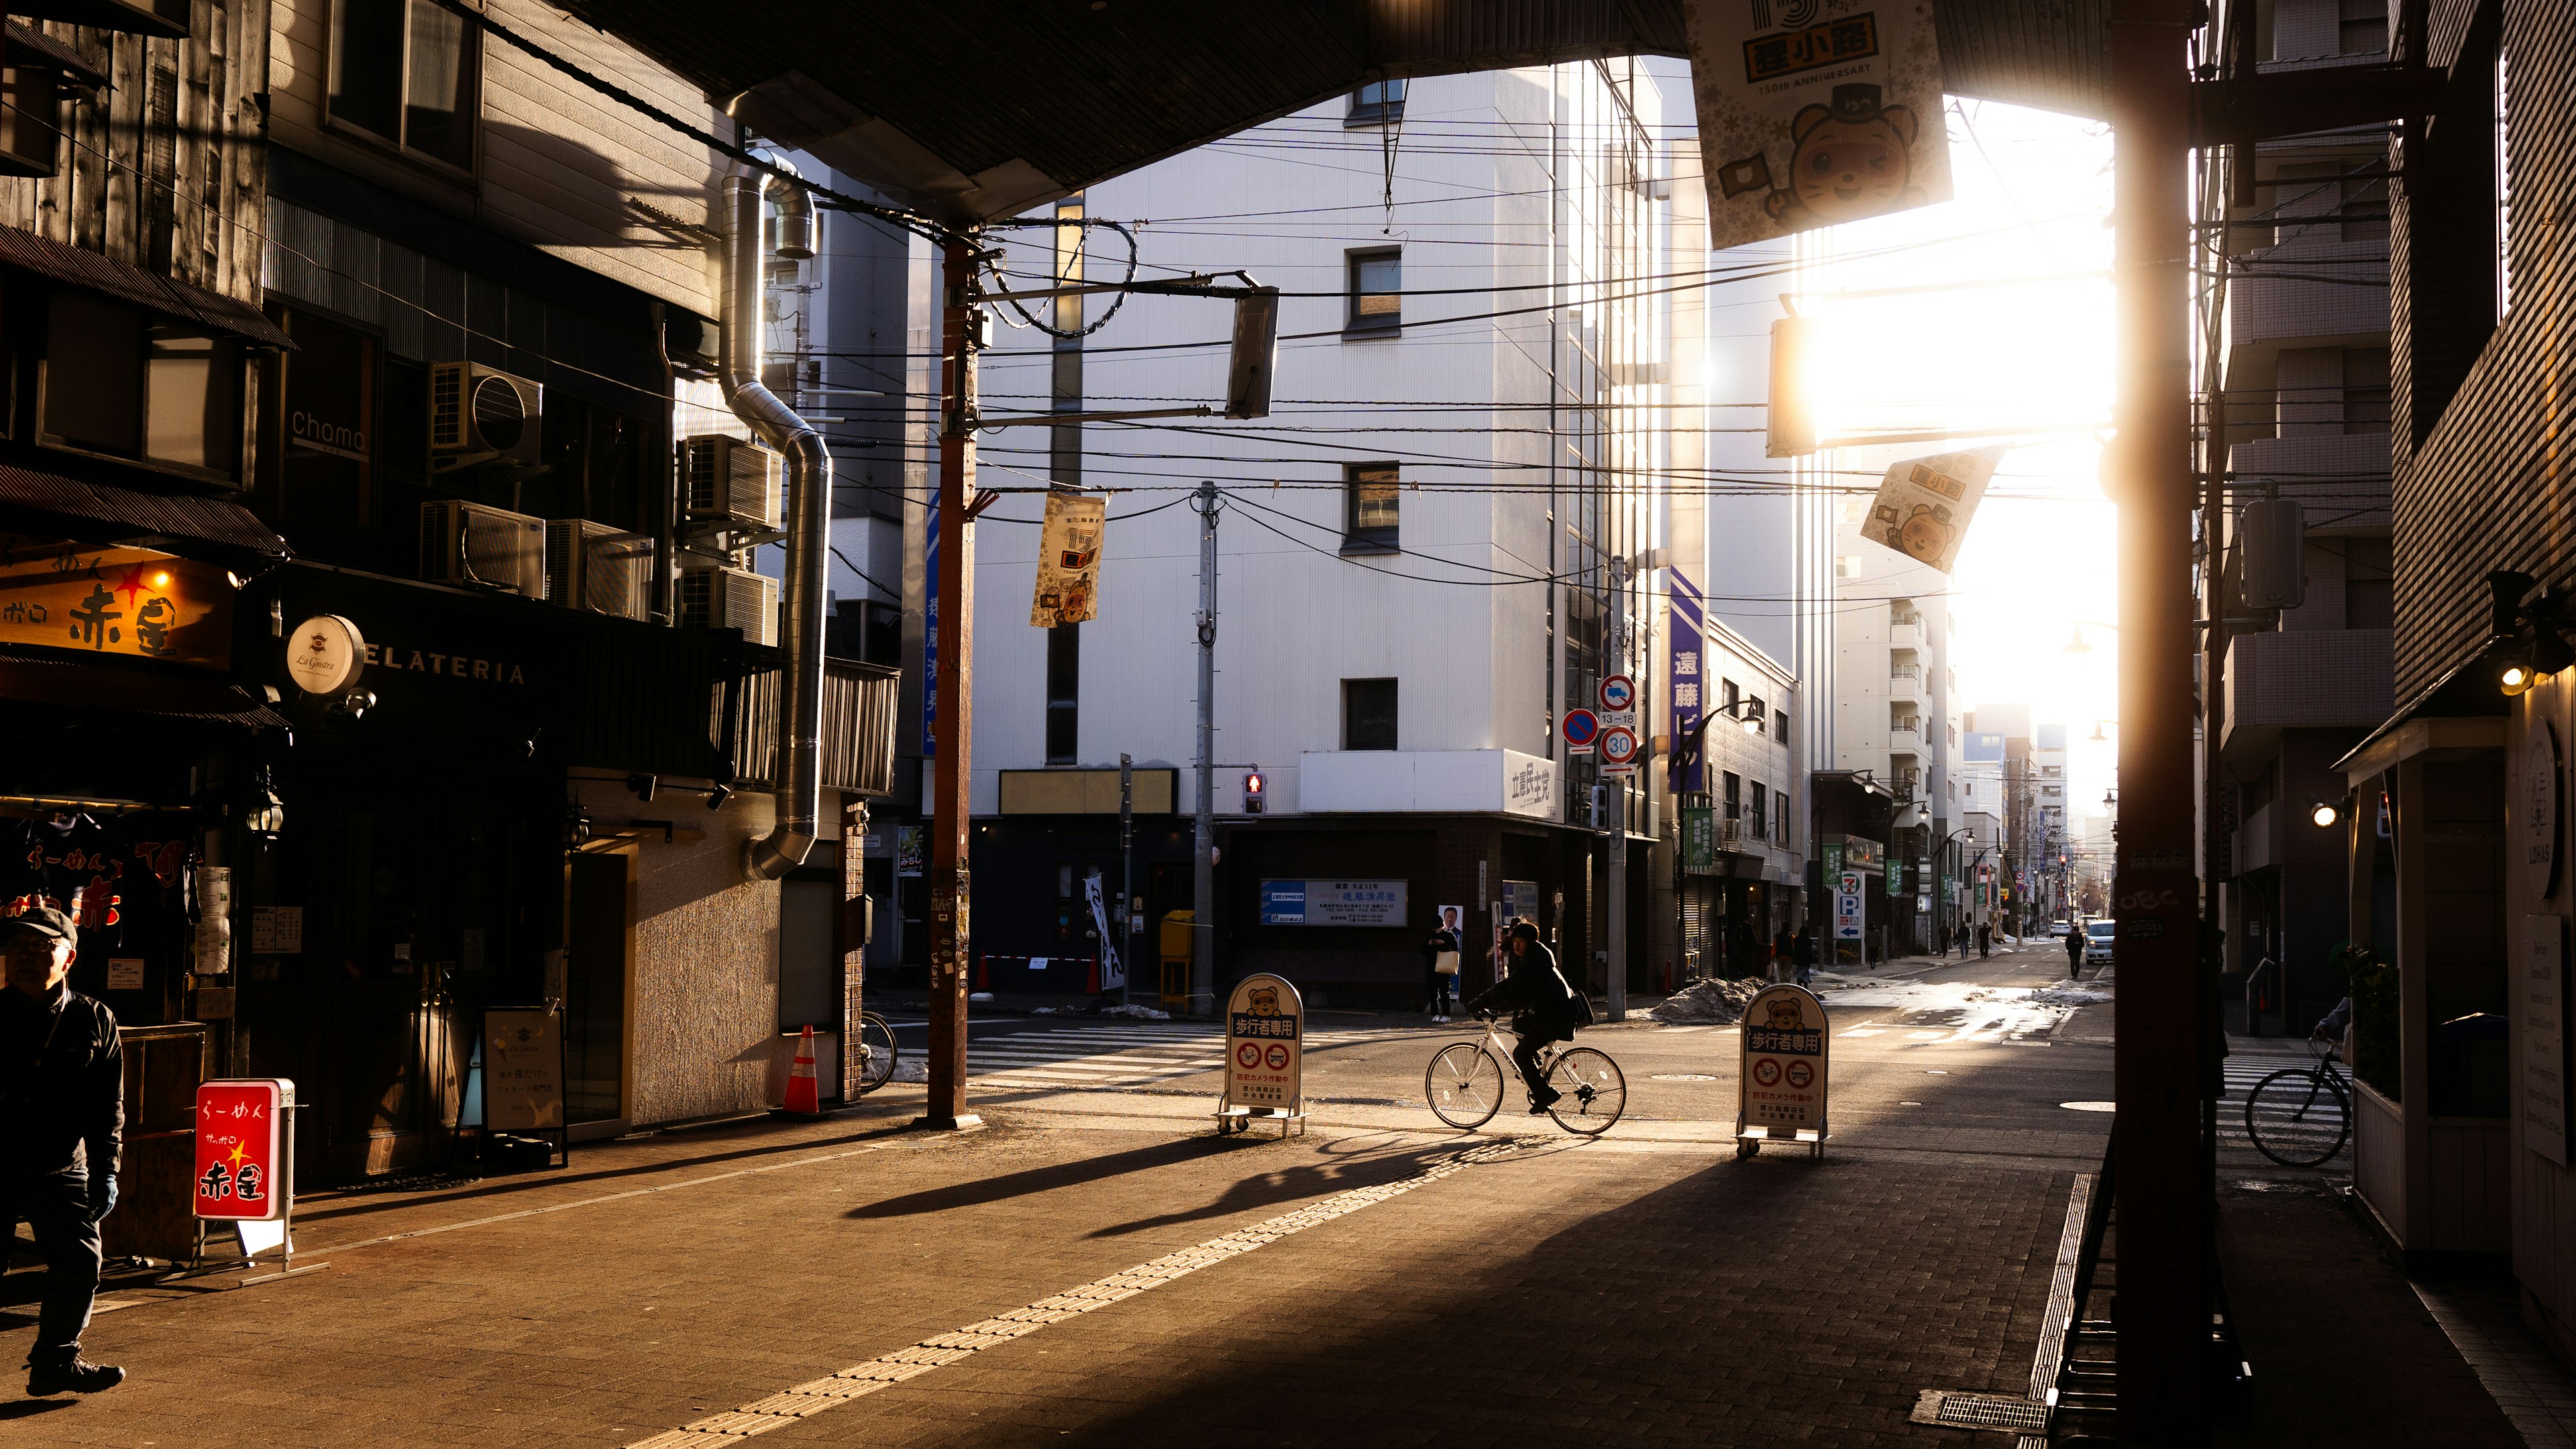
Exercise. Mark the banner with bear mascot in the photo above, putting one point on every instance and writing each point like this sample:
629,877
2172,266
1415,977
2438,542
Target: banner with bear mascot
1813,112
1924,504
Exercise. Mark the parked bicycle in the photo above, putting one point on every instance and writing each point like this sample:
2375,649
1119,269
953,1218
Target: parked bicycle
2300,1116
1467,1080
876,1053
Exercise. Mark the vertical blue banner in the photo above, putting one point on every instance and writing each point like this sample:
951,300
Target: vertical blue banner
1683,668
930,634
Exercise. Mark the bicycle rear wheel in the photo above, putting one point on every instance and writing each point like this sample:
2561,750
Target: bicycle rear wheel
876,1053
1465,1085
1592,1093
2297,1117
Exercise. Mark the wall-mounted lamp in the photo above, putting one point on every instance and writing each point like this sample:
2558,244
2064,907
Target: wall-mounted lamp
2531,646
717,795
266,815
643,786
2325,814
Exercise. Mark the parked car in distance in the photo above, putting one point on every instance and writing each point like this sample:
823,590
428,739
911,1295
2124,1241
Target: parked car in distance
2097,942
2060,929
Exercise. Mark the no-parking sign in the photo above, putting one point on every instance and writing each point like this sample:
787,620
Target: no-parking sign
1582,728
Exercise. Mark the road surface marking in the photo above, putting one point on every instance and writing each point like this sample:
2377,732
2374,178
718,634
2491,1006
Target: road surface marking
816,1395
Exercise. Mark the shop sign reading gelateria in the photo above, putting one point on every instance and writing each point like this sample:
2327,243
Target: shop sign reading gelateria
133,602
455,666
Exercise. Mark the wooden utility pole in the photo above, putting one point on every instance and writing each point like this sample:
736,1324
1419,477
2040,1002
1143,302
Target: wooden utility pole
953,696
2164,1205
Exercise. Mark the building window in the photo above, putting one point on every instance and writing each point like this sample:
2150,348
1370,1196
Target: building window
1760,817
119,383
404,71
1780,726
1728,698
1368,714
2361,27
1370,509
1734,795
1377,291
1375,104
2365,389
1064,694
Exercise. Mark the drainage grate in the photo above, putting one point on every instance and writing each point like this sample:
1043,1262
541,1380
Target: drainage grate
1954,1410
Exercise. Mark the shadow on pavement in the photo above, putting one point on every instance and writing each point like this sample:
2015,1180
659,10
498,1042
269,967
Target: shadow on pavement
1046,1179
1294,1184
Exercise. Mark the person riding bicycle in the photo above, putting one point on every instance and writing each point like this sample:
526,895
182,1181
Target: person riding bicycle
1544,1009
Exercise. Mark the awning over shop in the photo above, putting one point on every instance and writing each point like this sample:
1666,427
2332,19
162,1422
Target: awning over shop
113,513
2468,692
58,262
62,681
1081,93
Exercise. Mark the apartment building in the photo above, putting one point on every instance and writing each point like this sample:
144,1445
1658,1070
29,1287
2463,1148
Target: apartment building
2299,328
1896,712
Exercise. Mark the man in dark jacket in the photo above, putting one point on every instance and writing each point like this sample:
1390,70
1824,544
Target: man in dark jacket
62,1121
1543,1008
2075,951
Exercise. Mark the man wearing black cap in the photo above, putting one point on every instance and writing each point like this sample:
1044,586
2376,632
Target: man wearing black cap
62,1122
1544,1009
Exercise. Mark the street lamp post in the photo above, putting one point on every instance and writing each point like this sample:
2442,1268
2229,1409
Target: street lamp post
1686,753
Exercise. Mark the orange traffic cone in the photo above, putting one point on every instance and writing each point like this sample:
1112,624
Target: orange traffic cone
802,1091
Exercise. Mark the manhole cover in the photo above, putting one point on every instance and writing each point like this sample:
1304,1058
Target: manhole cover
2090,1106
1683,1077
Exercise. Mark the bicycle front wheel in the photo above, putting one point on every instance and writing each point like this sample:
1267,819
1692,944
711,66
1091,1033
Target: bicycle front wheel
1465,1085
2297,1117
1590,1092
876,1052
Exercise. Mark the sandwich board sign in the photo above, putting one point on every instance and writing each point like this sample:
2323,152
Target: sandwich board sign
1265,1046
1781,1087
245,1167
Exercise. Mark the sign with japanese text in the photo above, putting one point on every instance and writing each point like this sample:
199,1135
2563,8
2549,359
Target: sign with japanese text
2542,1014
1699,837
244,1167
1683,650
1782,1085
523,1088
1333,903
1068,560
1924,504
1265,1025
132,602
1848,912
1814,112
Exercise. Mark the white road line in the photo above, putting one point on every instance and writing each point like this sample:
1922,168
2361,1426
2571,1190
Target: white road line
815,1396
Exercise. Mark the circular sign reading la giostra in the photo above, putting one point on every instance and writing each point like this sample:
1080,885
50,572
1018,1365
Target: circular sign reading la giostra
324,654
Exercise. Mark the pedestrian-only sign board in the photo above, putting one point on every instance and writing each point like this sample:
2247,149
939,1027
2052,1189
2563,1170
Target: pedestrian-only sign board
1781,1088
1265,1041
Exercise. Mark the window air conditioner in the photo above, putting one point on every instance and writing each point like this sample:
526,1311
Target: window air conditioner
593,566
729,482
479,414
480,547
722,598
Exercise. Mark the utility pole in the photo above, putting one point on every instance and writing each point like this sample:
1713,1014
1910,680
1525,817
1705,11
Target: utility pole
1203,864
2164,1200
1127,877
953,697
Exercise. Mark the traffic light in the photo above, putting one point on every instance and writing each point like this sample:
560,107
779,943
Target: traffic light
1255,789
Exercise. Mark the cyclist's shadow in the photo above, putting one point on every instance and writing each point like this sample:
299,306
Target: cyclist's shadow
1290,1184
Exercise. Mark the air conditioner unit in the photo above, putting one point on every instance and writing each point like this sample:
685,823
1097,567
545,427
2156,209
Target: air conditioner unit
593,566
477,546
479,414
722,598
729,482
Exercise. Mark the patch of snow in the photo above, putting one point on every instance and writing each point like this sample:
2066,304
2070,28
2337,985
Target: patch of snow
1708,1001
1133,1012
2068,996
907,1069
979,996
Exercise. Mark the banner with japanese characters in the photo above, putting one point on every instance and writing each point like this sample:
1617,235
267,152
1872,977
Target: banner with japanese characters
243,1170
1924,504
1813,112
133,602
1068,560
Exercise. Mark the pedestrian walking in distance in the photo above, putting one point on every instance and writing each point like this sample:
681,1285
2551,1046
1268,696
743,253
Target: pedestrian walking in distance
1985,941
2075,953
62,1124
1440,964
1543,1007
1802,952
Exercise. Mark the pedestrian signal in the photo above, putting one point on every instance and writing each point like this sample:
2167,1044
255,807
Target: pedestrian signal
1254,790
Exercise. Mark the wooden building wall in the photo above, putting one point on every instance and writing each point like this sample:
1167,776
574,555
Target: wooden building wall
2481,453
166,168
557,166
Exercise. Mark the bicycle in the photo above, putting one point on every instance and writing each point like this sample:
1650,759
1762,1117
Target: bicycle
1465,1083
877,1052
2305,1111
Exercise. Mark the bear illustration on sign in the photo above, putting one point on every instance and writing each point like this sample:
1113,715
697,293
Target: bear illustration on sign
1854,158
1785,1014
1922,532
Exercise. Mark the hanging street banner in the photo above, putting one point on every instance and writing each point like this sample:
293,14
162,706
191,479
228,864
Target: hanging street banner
1113,970
1924,504
1813,112
1682,661
1068,560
